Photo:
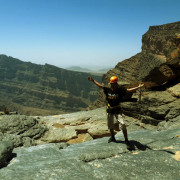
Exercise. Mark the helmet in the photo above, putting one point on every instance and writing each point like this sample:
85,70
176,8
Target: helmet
113,79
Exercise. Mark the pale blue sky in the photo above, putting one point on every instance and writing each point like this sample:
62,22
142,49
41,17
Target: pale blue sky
79,32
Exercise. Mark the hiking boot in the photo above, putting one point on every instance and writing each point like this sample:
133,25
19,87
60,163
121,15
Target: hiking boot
112,139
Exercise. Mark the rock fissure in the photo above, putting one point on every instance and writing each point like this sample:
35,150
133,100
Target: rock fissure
97,157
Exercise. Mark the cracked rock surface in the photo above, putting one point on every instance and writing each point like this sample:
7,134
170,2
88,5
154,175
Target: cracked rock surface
153,155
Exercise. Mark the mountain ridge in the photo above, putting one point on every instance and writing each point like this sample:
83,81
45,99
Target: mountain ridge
25,85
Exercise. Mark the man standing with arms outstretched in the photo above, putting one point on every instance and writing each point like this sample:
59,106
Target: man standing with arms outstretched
114,96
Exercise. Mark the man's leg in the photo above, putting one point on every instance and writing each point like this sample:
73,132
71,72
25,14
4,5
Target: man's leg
110,123
123,127
112,138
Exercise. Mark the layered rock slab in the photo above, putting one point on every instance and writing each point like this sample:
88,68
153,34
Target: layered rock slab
154,154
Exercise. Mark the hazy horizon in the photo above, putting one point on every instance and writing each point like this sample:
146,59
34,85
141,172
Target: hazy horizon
85,33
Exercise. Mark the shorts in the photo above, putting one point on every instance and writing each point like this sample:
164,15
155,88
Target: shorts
113,119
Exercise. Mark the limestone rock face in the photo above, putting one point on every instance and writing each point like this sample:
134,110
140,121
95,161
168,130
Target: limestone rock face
164,40
159,60
135,68
160,39
157,66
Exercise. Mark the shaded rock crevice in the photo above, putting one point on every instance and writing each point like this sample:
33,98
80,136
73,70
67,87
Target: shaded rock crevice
6,154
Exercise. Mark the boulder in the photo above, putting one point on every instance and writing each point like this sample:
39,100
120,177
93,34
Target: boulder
76,127
80,138
99,131
155,106
20,129
54,135
175,90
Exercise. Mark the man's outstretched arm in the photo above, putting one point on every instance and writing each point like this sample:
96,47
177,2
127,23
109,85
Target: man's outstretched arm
95,82
135,88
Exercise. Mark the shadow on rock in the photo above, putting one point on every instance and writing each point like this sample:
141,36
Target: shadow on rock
12,156
143,147
5,163
135,145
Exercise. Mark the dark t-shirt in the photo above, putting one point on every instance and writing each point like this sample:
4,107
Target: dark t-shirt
114,97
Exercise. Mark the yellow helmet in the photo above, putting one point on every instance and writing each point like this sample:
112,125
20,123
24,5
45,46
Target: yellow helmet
113,79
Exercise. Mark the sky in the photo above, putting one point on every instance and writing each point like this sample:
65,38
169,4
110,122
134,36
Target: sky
96,33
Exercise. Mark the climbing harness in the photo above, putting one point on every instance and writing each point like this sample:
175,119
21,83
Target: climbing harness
113,109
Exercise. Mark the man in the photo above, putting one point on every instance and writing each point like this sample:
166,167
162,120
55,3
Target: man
114,96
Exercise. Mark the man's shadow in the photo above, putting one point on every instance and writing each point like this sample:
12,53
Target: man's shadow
142,147
135,145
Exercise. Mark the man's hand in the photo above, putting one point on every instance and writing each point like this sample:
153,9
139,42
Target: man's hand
140,85
90,79
95,82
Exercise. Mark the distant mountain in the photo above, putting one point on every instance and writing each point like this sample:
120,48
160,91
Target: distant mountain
92,70
104,70
78,68
43,89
